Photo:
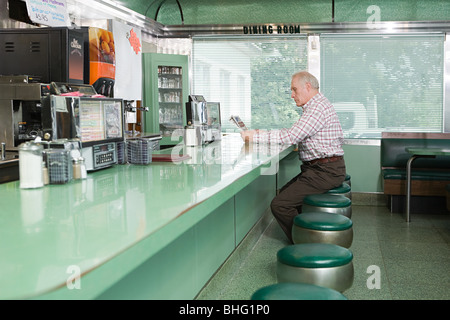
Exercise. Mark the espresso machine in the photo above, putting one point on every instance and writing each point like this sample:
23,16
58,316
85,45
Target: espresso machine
203,121
20,109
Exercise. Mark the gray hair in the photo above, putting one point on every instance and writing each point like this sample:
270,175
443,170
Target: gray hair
304,77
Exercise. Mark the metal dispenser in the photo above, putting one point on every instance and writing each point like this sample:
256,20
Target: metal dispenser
202,121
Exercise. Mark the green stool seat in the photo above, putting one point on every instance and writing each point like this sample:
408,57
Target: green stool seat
296,291
314,255
322,227
323,221
322,264
332,203
344,189
327,200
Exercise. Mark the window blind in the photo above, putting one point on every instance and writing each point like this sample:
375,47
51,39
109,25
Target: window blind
380,82
250,77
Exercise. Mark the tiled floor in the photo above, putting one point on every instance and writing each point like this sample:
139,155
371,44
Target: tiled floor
413,259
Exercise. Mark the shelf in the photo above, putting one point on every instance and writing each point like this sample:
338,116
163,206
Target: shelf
169,75
172,104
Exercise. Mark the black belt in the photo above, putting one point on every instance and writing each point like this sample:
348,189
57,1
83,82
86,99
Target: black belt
324,160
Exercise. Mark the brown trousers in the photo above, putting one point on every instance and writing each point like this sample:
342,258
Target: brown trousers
313,179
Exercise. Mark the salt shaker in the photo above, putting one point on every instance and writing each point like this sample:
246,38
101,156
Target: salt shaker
76,165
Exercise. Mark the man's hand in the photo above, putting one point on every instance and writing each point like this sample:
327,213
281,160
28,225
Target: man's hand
247,135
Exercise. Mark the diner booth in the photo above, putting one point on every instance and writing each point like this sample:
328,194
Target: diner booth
123,174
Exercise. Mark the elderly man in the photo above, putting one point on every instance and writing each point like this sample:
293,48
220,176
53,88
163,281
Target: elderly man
319,136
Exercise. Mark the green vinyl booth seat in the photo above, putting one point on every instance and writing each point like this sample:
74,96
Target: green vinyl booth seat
322,227
333,203
296,291
429,175
416,174
344,189
323,264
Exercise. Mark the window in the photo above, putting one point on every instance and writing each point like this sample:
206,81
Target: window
384,82
250,77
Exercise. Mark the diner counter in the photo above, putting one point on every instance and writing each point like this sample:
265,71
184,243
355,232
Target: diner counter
102,236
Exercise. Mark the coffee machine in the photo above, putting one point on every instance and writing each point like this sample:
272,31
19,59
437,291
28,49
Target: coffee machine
203,120
20,109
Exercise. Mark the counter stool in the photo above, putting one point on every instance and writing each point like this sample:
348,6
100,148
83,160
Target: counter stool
348,179
322,227
323,264
344,189
296,291
324,202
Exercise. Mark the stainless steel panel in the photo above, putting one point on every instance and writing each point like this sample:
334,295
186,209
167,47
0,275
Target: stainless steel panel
21,91
338,278
343,238
28,91
347,211
9,168
7,91
6,123
182,31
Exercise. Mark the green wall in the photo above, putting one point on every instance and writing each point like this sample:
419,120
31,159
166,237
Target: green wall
363,164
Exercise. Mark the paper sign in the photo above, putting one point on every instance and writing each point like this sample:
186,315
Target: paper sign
51,13
128,41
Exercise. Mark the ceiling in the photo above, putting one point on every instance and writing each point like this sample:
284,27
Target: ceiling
177,12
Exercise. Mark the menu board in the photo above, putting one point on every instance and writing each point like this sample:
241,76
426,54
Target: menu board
92,122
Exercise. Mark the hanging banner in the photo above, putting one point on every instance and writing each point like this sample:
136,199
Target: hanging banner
128,61
51,13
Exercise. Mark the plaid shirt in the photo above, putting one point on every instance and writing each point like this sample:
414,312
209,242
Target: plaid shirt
318,132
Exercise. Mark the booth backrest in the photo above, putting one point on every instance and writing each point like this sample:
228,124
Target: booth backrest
394,155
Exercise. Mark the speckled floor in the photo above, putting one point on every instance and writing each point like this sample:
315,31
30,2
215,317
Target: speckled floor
413,259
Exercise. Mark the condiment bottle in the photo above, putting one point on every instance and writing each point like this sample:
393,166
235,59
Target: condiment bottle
83,168
45,176
76,168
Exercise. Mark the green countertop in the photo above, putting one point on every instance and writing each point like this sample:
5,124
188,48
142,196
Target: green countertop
106,225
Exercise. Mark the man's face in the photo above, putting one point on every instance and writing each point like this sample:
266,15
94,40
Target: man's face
299,92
